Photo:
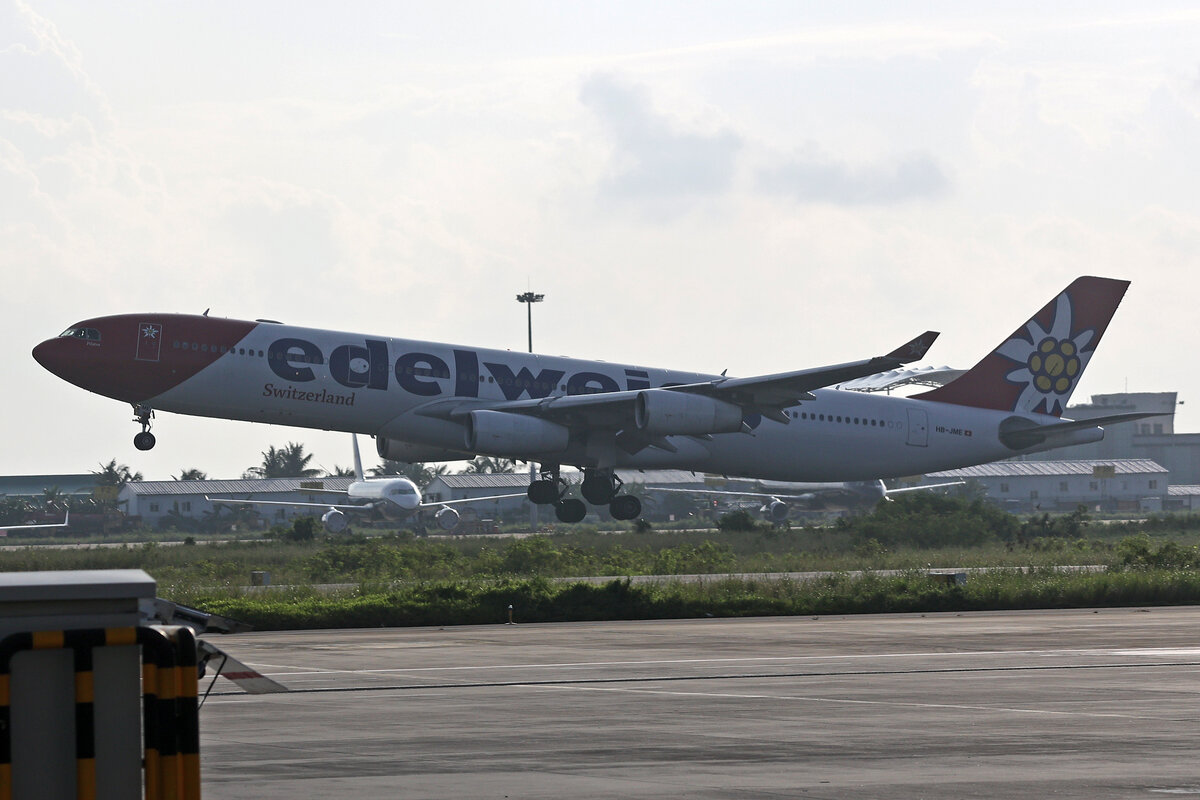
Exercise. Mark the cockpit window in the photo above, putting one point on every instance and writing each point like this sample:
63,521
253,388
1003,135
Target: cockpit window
91,334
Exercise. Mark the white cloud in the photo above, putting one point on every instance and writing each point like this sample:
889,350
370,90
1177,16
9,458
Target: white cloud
651,157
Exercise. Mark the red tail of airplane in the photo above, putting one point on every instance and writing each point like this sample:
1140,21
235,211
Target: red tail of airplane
1037,368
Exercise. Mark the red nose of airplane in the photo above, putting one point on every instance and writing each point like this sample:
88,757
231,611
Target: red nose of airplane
50,354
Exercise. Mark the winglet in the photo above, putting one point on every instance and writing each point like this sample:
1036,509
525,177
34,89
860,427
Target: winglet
914,350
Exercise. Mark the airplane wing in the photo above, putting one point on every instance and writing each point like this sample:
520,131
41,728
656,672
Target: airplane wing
465,500
326,506
831,490
924,487
63,524
717,492
767,395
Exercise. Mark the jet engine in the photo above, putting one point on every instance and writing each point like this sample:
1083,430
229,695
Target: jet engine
776,511
501,433
397,450
446,518
662,412
334,521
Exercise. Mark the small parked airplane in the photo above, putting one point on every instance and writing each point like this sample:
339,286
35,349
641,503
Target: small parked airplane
4,529
427,401
390,498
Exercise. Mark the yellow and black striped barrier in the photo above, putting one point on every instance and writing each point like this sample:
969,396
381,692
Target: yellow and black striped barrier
170,714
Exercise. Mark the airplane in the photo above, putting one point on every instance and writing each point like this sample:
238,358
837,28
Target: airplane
6,529
777,505
428,401
391,498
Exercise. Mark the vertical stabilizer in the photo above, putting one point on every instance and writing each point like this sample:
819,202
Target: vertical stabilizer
358,470
1037,368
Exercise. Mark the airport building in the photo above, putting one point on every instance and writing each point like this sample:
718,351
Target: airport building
1133,484
158,502
35,487
1152,438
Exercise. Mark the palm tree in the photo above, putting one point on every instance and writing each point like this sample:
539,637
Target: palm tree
114,474
13,511
339,472
484,465
53,496
289,461
192,474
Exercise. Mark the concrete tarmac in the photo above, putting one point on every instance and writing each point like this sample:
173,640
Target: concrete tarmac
1071,704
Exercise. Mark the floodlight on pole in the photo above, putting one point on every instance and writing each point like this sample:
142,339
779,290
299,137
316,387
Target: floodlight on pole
529,298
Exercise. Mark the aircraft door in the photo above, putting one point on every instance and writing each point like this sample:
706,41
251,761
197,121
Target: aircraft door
918,427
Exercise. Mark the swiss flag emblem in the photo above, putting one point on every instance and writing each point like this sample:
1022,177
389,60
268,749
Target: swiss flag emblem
149,343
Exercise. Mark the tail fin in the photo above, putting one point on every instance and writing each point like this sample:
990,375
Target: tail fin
358,470
1037,368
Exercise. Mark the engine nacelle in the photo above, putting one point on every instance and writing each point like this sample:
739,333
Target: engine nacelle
504,434
334,521
776,511
396,450
446,518
662,412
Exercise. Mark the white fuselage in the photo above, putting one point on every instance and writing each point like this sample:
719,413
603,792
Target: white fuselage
396,389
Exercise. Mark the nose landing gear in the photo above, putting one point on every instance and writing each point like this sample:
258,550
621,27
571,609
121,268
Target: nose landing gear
145,439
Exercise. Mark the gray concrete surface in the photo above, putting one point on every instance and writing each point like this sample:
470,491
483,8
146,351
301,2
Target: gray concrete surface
1072,704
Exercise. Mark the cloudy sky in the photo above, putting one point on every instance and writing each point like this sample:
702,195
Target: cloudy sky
751,186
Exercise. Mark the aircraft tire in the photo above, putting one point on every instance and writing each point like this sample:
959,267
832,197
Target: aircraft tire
624,507
570,511
597,489
542,493
144,440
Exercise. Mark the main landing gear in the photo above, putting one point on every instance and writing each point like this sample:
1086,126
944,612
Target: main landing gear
600,487
145,439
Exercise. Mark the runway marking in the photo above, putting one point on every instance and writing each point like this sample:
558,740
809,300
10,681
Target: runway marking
1147,652
300,670
804,698
730,676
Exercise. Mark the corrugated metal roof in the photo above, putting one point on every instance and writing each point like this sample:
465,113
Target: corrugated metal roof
1183,491
246,486
1015,469
487,480
34,485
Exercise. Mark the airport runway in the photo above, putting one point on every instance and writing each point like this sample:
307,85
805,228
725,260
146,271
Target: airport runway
1071,704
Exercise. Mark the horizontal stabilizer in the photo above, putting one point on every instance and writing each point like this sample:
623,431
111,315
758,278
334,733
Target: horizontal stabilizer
1026,433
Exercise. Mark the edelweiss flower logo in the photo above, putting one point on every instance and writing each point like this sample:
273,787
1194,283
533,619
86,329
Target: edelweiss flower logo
1054,365
1051,360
